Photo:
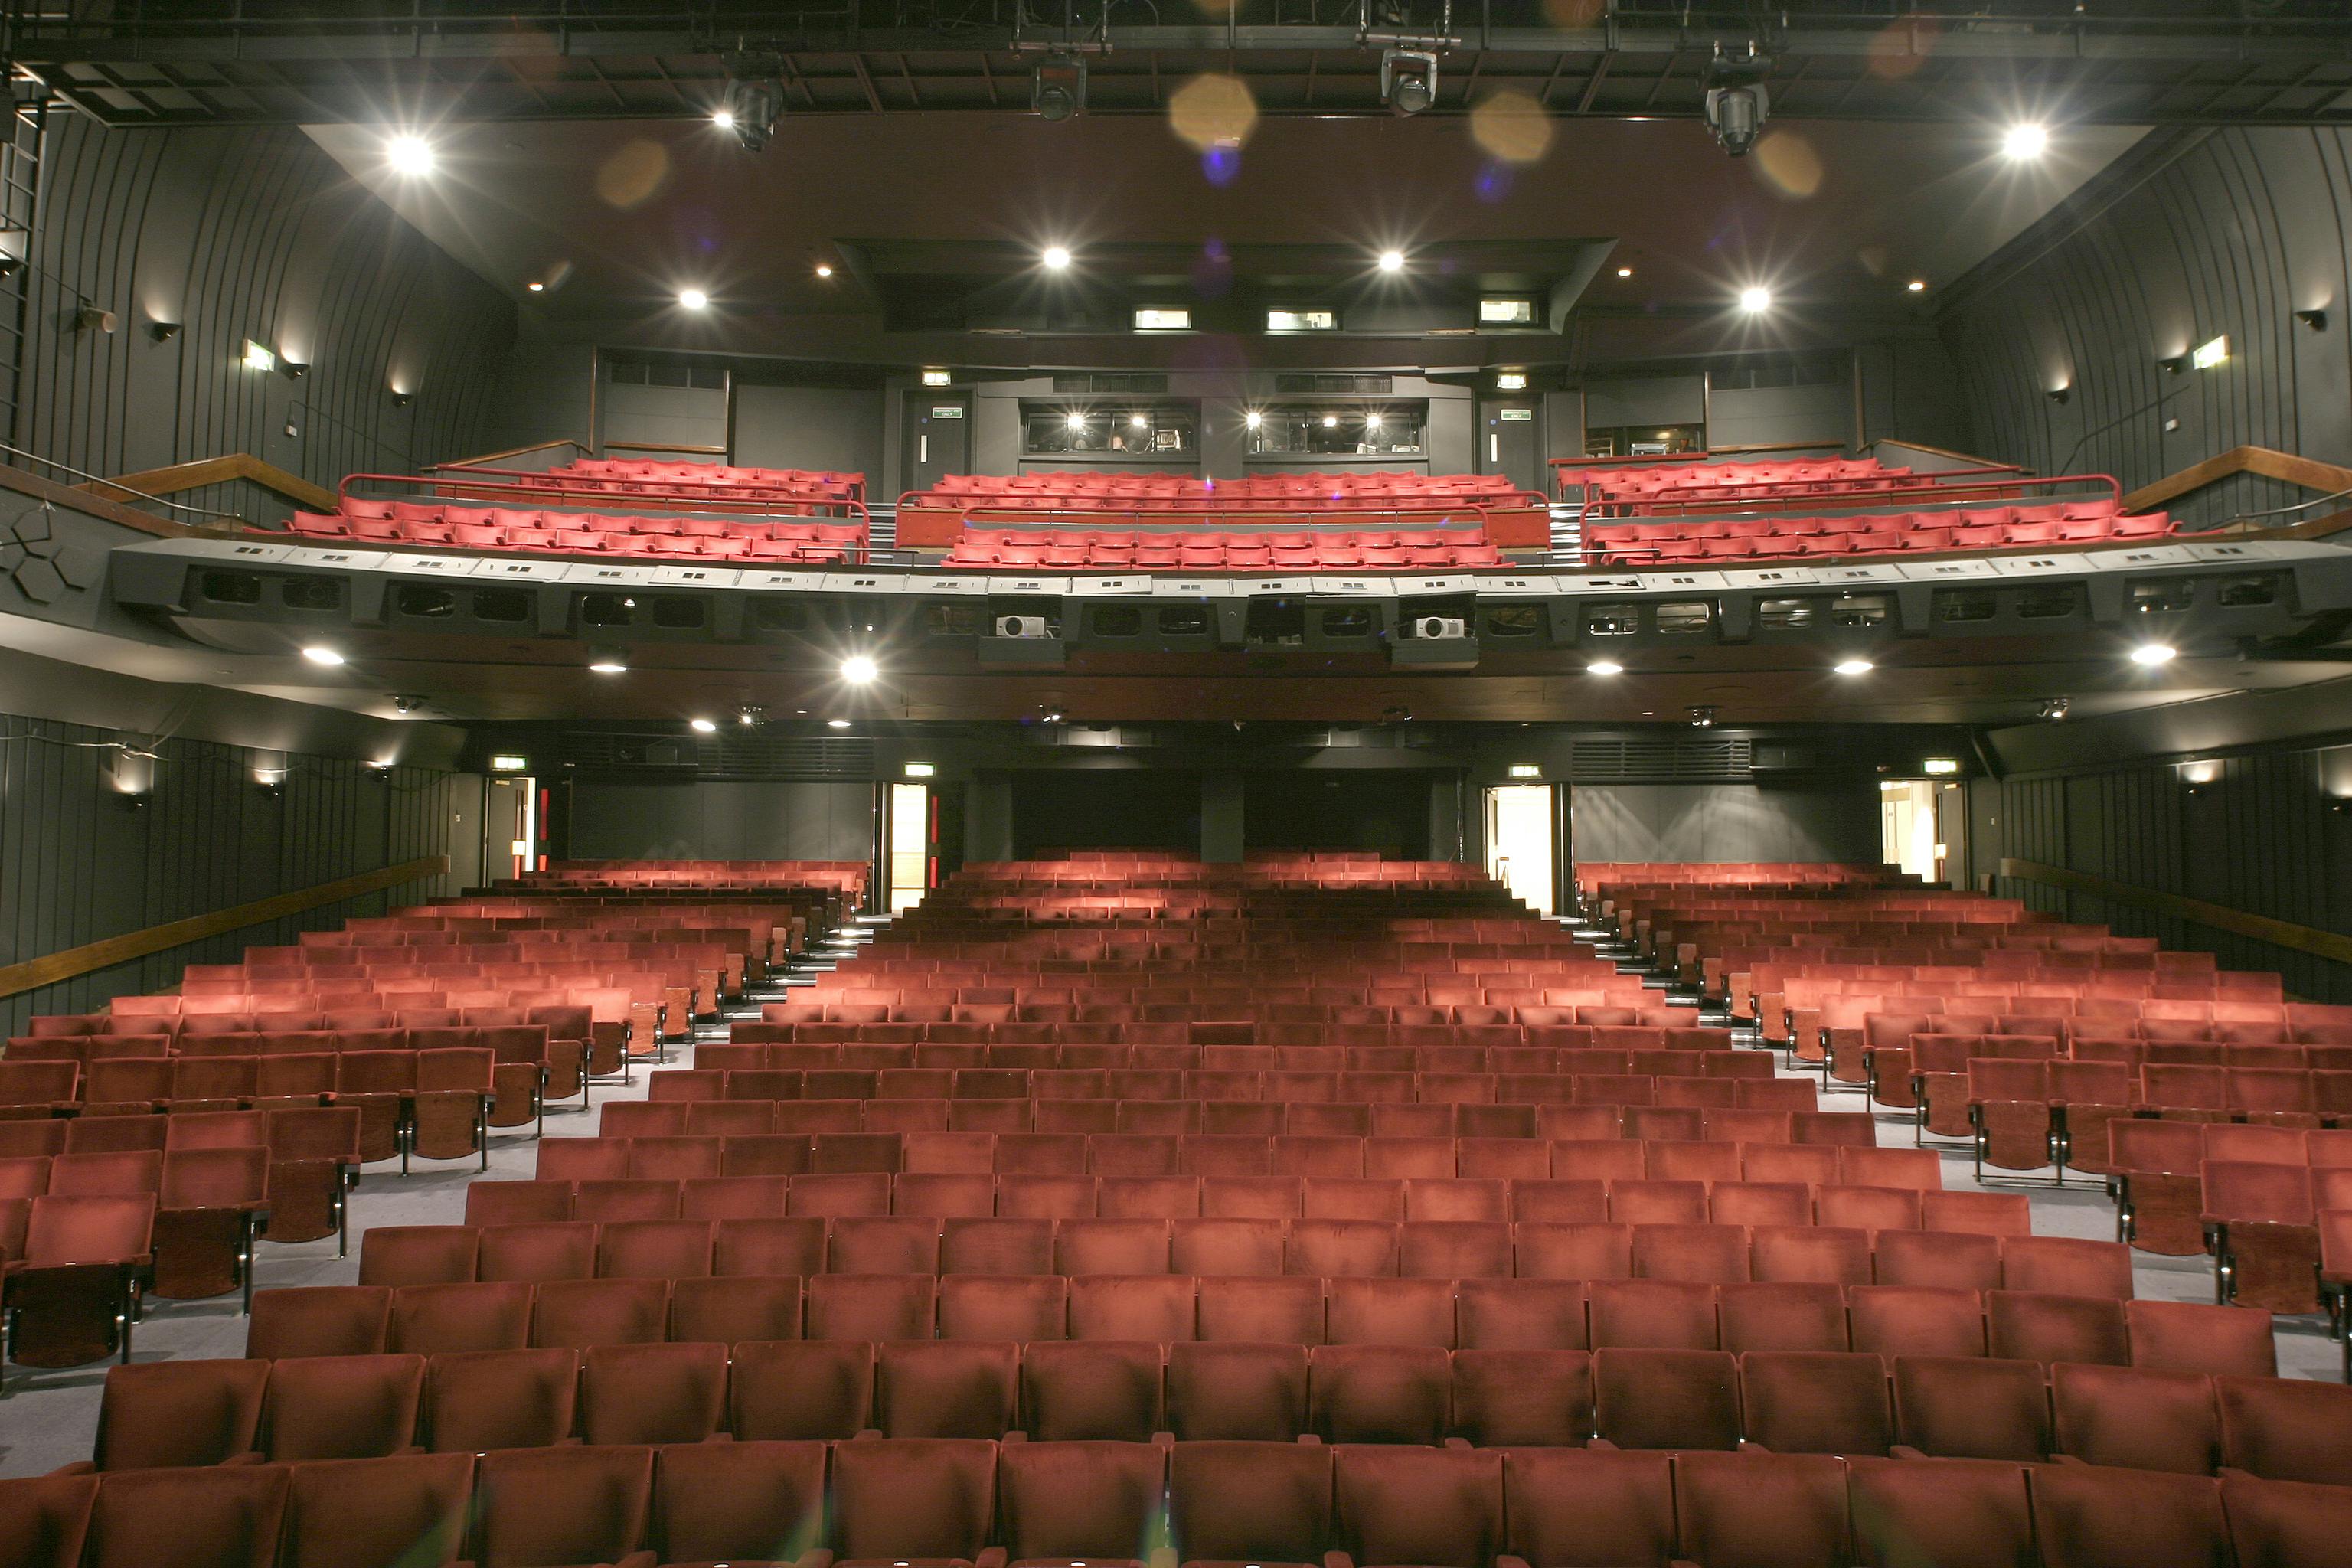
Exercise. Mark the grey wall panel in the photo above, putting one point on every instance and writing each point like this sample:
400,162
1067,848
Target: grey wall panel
232,234
79,863
2224,234
833,428
2263,833
1776,416
721,819
546,393
1724,822
691,416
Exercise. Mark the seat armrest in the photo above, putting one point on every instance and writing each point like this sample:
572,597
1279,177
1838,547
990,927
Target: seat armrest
1338,1560
1905,1451
989,1557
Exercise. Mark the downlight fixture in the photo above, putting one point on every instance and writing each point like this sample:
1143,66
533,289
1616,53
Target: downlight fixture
1702,718
2149,655
702,726
858,670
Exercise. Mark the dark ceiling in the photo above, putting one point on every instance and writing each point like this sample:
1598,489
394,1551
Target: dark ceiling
146,62
916,214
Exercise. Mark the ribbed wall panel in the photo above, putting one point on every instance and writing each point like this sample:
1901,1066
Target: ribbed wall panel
78,863
2228,236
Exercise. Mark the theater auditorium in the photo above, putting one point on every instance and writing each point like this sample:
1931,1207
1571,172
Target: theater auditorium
1176,783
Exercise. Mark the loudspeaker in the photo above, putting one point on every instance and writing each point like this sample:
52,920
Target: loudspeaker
1439,626
1022,626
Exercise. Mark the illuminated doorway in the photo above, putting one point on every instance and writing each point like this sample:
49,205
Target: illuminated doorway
1522,851
910,845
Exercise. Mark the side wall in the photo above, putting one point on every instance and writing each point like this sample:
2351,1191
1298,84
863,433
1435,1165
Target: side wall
1726,822
233,234
2269,834
719,819
2200,235
79,862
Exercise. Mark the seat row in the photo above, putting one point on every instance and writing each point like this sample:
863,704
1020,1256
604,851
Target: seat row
435,1104
1715,1146
1209,551
1697,1250
777,1046
194,1415
888,1501
600,533
1184,1020
626,475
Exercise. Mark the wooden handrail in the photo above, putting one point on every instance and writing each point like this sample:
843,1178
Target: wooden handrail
579,446
132,487
2220,917
2308,473
90,957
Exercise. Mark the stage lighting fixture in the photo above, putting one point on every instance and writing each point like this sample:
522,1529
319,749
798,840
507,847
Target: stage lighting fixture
1605,667
1057,88
750,111
2054,708
1624,272
1408,80
1253,419
2148,655
1854,666
2025,141
1756,299
408,703
319,653
410,155
1736,104
702,726
1917,286
1702,718
825,270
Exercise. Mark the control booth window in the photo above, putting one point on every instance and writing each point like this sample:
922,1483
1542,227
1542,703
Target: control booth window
1392,429
1107,430
1645,440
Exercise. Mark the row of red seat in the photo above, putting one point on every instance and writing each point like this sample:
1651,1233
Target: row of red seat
1282,1048
1445,549
1792,1249
788,541
1088,483
885,1501
195,1416
662,477
1735,480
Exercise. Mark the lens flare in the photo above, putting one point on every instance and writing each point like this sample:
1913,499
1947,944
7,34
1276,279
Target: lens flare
1214,111
1512,127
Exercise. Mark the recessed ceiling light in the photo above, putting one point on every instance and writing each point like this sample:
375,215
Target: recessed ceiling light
537,287
1330,422
1917,286
411,155
609,667
693,299
1755,299
824,269
857,669
836,723
1624,272
1056,257
1392,260
319,654
702,726
1854,666
2152,653
2026,140
1605,667
723,118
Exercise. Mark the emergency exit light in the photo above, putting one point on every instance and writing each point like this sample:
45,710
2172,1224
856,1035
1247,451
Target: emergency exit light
508,764
918,769
2207,354
1526,771
1940,765
937,378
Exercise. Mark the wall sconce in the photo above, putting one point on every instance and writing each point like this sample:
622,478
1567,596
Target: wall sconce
162,331
2315,320
2060,395
8,265
293,372
2174,365
90,316
2195,774
402,399
134,778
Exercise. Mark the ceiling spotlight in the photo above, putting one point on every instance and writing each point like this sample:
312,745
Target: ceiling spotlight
608,661
824,268
1138,421
701,726
409,155
1604,667
538,288
2151,654
753,107
407,703
1702,718
1408,80
836,723
750,713
858,670
1253,419
1330,422
1057,88
2025,141
1372,421
1737,104
1917,286
1624,272
1056,257
693,299
1854,666
319,653
1756,299
1076,421
1392,260
2054,708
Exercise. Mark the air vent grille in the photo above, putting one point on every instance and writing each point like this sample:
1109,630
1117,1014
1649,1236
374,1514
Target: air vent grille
1611,760
1312,383
750,753
1082,385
